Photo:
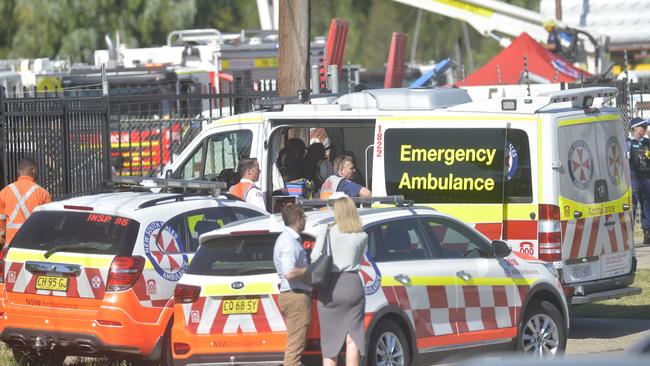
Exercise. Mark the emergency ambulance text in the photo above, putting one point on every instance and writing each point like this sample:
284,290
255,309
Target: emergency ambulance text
449,156
449,183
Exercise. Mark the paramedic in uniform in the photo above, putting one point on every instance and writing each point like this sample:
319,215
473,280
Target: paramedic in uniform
249,169
19,199
553,40
638,152
340,181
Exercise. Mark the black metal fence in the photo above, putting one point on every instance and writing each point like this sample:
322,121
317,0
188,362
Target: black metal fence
80,138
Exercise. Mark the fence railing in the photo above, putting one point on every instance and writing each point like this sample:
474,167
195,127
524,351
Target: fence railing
80,138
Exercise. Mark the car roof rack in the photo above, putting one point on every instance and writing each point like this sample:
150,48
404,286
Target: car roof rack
170,185
397,200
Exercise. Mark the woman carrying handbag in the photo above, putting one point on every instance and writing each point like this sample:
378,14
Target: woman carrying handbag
341,300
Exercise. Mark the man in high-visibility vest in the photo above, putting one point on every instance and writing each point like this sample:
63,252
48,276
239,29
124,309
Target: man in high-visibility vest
340,181
19,199
249,169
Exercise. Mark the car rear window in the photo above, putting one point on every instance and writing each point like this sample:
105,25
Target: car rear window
235,256
77,232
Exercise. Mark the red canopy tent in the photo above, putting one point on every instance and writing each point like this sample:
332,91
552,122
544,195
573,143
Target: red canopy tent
508,66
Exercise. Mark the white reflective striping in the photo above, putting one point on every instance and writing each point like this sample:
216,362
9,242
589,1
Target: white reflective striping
3,216
474,319
455,299
440,321
22,279
548,226
12,225
586,234
20,201
418,297
620,245
208,313
237,322
503,316
512,294
186,313
83,286
273,316
486,296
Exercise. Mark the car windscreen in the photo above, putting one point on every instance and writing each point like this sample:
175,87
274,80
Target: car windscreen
235,256
77,232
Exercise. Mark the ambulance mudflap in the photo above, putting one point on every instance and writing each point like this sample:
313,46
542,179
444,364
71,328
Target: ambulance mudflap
63,259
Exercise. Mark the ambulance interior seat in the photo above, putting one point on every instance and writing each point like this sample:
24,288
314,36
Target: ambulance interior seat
398,245
229,176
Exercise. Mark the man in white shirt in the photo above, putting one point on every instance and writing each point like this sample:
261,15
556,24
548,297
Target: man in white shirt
246,189
290,262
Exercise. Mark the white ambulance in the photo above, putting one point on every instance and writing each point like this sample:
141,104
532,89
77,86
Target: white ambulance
548,173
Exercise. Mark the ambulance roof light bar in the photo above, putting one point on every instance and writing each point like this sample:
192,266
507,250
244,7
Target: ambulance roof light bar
581,98
214,188
397,200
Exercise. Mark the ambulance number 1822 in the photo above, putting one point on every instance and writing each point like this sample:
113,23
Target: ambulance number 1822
240,306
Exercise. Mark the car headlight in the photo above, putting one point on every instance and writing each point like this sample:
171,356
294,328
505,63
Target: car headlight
549,266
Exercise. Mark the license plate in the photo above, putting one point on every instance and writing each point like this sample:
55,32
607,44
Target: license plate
581,271
53,283
240,306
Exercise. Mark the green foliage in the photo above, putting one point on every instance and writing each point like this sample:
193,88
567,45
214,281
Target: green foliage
73,29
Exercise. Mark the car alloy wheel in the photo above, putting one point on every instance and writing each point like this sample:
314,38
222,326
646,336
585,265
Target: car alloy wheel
541,337
389,351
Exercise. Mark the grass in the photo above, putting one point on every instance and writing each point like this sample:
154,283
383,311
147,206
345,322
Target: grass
7,359
630,307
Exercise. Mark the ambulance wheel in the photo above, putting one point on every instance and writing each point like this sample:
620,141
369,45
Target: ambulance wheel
166,357
29,357
388,346
542,333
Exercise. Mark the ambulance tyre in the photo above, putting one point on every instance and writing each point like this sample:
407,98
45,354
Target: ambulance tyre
166,358
29,357
542,334
388,346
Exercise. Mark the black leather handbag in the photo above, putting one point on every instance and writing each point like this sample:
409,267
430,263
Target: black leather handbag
318,272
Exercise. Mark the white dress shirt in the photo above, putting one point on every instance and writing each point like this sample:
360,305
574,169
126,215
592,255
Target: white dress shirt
288,253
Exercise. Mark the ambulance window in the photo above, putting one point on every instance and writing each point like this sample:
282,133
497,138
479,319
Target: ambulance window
173,238
202,221
518,184
445,165
224,152
451,240
192,168
399,240
235,256
78,232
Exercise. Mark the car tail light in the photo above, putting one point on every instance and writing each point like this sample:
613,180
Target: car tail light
124,272
185,294
3,257
549,233
181,348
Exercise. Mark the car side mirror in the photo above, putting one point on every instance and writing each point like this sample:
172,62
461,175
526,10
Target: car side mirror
501,249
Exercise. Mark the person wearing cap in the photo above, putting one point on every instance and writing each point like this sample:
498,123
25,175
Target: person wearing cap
638,153
553,40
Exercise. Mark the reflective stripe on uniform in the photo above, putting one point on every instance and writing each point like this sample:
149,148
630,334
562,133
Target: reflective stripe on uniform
20,205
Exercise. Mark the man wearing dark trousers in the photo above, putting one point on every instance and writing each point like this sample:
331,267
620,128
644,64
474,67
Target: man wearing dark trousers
290,262
638,151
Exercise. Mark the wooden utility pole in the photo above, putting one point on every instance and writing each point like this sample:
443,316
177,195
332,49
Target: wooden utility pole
293,60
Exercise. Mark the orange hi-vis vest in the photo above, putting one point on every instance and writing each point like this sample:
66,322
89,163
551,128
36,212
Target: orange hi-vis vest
241,189
17,202
330,186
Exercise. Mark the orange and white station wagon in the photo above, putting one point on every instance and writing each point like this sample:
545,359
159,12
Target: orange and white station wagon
433,286
95,275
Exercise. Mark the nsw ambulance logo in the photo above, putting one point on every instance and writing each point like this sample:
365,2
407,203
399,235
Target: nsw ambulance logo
614,161
165,251
581,164
370,276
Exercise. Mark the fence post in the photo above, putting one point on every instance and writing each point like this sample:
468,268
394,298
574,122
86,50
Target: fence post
106,138
67,174
3,140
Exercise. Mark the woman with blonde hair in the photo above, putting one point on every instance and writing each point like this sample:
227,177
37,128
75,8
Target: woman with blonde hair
341,304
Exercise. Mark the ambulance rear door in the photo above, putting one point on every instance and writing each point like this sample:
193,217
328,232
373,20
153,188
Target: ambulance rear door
594,198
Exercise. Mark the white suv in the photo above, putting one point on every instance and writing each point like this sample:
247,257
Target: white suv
433,286
95,274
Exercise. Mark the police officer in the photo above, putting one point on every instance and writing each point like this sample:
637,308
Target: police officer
638,150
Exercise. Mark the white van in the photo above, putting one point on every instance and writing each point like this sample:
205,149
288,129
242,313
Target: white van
548,174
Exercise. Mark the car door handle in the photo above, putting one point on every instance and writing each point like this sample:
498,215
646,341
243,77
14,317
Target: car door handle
403,279
466,276
577,214
626,207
